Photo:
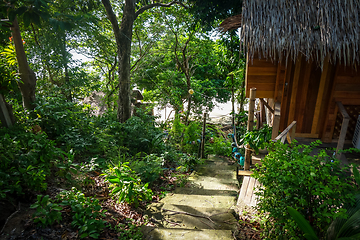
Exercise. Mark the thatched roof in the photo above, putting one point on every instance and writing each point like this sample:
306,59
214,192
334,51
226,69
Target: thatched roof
314,28
230,23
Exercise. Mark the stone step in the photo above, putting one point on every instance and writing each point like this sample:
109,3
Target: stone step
216,172
207,192
151,233
180,216
195,200
215,183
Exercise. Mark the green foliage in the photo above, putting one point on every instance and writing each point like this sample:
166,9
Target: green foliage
86,211
67,165
188,162
219,146
340,228
303,224
257,139
126,186
148,168
314,185
141,134
66,122
192,133
25,161
47,212
129,232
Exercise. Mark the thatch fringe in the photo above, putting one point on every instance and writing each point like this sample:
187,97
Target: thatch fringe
279,29
230,23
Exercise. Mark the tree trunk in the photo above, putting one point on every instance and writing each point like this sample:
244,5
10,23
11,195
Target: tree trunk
28,79
124,53
6,114
123,37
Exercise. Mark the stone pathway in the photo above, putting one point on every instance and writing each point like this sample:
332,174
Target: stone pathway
205,210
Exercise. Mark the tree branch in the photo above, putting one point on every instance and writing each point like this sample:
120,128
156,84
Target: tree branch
146,7
112,17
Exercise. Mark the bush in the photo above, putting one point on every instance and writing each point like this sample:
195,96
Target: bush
219,146
141,134
126,186
149,168
316,186
86,213
26,159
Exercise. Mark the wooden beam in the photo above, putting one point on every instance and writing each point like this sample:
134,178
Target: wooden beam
319,99
244,173
278,72
306,135
276,121
344,127
294,90
267,105
250,127
305,87
284,133
328,128
285,93
247,93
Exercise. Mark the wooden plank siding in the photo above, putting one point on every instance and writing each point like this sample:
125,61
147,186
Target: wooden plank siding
261,74
346,90
307,93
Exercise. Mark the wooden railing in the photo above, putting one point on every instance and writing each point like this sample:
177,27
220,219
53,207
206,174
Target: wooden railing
288,133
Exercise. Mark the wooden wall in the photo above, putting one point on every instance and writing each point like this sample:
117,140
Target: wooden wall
261,74
346,88
307,93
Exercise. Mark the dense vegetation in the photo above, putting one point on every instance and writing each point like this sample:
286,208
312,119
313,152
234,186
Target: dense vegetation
72,163
75,164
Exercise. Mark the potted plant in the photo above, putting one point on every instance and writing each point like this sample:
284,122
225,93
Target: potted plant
257,138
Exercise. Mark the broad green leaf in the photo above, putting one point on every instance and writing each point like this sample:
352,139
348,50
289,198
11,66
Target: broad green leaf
303,224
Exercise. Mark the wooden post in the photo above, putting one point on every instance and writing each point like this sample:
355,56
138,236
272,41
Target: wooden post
344,127
203,138
276,121
233,100
250,126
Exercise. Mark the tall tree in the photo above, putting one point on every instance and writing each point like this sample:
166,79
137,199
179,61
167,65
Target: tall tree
123,36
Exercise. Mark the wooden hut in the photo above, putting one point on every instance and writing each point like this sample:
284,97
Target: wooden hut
304,55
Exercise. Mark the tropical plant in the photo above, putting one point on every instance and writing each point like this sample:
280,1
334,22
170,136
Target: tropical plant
126,186
257,139
47,212
86,213
340,228
315,185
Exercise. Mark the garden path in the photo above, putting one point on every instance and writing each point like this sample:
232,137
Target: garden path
204,209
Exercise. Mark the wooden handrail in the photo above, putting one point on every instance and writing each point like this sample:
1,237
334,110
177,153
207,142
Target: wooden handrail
267,105
287,134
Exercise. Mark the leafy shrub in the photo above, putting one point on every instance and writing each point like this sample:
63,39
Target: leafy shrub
66,122
47,212
141,134
188,162
219,146
149,168
192,133
126,186
25,160
316,186
257,139
129,232
86,211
